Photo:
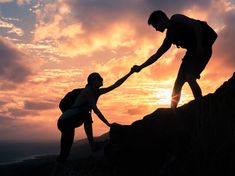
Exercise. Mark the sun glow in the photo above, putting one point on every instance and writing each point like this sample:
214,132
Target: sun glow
162,97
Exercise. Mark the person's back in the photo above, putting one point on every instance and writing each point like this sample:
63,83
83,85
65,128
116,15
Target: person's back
82,101
182,32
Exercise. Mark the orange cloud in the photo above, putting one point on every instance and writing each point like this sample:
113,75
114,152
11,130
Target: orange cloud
75,38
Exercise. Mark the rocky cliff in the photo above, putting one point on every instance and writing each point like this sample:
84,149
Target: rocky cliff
196,139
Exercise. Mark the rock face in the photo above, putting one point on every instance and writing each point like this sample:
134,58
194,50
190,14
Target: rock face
196,139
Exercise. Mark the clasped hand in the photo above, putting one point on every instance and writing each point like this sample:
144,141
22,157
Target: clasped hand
136,68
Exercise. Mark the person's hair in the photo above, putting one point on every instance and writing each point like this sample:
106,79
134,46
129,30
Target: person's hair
157,16
92,77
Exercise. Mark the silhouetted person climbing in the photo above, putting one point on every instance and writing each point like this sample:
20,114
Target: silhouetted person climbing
196,36
81,112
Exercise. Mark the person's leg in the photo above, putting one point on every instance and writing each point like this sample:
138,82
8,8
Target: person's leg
67,137
197,92
180,80
196,68
175,97
89,132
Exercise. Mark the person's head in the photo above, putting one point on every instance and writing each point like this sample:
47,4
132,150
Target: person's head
95,80
158,19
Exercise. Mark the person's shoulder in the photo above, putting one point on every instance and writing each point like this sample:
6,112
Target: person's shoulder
86,91
177,17
183,20
100,92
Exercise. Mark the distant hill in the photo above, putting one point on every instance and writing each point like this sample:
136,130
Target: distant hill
81,160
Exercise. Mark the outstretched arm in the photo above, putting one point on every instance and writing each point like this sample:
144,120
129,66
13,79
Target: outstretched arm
163,48
116,84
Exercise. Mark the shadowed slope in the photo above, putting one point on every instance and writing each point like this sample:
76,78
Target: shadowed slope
195,139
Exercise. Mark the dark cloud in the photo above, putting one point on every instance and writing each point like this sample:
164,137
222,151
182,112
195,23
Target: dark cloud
225,47
97,14
172,7
30,105
2,103
13,68
136,110
5,120
17,113
20,129
6,85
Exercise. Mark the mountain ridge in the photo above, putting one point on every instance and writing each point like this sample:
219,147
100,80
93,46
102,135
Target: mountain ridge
194,139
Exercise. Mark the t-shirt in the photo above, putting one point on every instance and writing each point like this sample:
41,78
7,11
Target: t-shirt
184,36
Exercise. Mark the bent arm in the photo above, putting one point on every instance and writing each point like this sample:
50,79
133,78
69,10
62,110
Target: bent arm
92,103
100,115
116,84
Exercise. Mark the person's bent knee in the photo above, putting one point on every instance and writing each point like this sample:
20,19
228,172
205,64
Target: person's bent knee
62,126
190,78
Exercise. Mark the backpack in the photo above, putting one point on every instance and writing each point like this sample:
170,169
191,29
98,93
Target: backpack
209,33
68,100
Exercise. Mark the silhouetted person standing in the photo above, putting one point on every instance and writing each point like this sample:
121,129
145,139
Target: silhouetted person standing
196,36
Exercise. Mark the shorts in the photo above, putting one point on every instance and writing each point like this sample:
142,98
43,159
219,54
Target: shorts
73,118
192,65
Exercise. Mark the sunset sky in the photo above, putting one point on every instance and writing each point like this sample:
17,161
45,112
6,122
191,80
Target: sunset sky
48,47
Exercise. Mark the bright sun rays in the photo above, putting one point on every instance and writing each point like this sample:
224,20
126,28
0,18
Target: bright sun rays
162,97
